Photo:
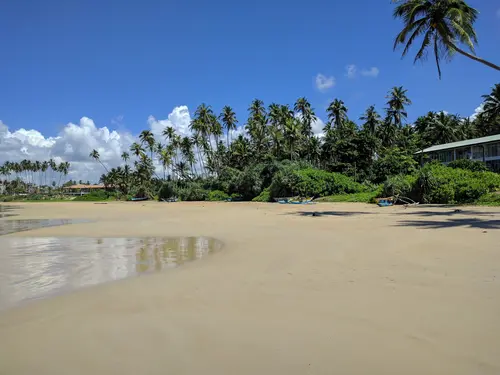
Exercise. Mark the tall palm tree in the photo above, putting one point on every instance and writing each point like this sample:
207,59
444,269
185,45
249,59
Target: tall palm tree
228,118
397,100
308,116
443,24
136,149
337,113
292,135
94,154
371,119
491,107
445,128
125,156
147,137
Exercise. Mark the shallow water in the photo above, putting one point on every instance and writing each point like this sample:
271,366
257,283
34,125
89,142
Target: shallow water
14,226
32,268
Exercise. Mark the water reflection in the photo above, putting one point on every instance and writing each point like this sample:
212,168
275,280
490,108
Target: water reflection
5,211
14,226
33,268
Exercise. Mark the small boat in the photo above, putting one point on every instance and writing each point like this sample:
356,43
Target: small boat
385,202
139,199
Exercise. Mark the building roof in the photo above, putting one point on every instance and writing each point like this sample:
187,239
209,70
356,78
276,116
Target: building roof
468,142
81,186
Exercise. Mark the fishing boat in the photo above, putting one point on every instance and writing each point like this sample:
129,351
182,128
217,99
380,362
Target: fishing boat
139,199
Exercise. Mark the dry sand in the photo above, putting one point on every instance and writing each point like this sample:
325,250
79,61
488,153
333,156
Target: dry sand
359,290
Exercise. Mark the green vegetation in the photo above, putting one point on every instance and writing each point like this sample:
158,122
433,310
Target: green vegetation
279,156
436,183
95,196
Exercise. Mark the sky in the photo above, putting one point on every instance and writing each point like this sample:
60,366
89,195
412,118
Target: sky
77,75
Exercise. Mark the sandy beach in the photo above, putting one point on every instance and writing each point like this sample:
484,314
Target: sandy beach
355,290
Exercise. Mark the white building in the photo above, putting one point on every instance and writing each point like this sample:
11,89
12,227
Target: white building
485,149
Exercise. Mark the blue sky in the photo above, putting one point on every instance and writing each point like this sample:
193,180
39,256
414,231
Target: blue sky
79,75
126,60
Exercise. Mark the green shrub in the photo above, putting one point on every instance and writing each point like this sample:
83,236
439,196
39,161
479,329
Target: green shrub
400,185
217,195
490,199
94,196
167,190
312,182
264,196
192,192
393,162
468,164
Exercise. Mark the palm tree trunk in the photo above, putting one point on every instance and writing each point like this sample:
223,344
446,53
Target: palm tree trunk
475,58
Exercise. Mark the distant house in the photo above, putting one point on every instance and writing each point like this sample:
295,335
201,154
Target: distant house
81,189
486,149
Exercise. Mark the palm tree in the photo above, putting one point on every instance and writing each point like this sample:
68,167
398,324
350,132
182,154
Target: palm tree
491,107
125,156
443,24
136,149
308,116
292,134
445,128
147,137
337,113
228,118
397,100
371,120
94,154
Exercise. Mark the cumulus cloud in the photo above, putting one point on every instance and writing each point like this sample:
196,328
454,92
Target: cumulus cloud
372,72
323,83
351,71
179,119
477,112
76,141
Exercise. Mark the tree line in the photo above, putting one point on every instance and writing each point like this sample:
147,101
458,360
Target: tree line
378,145
28,176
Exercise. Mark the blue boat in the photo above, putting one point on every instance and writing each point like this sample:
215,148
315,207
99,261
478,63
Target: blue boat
139,199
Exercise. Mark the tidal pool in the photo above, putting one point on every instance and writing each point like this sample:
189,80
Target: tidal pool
14,226
39,267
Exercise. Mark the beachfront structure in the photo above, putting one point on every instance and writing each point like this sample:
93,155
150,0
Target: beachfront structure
81,189
486,149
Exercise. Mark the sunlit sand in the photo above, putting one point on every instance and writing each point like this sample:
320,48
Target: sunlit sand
356,290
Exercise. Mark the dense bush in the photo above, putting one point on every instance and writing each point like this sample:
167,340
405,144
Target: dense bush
436,183
312,182
192,192
393,162
94,196
217,195
167,190
471,165
402,185
264,196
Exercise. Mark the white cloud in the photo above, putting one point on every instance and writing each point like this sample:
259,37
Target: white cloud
372,72
323,83
351,71
477,112
179,118
76,141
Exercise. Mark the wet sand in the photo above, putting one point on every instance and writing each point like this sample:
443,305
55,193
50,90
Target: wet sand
356,290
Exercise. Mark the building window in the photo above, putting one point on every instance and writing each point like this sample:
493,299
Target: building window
493,150
445,156
477,152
